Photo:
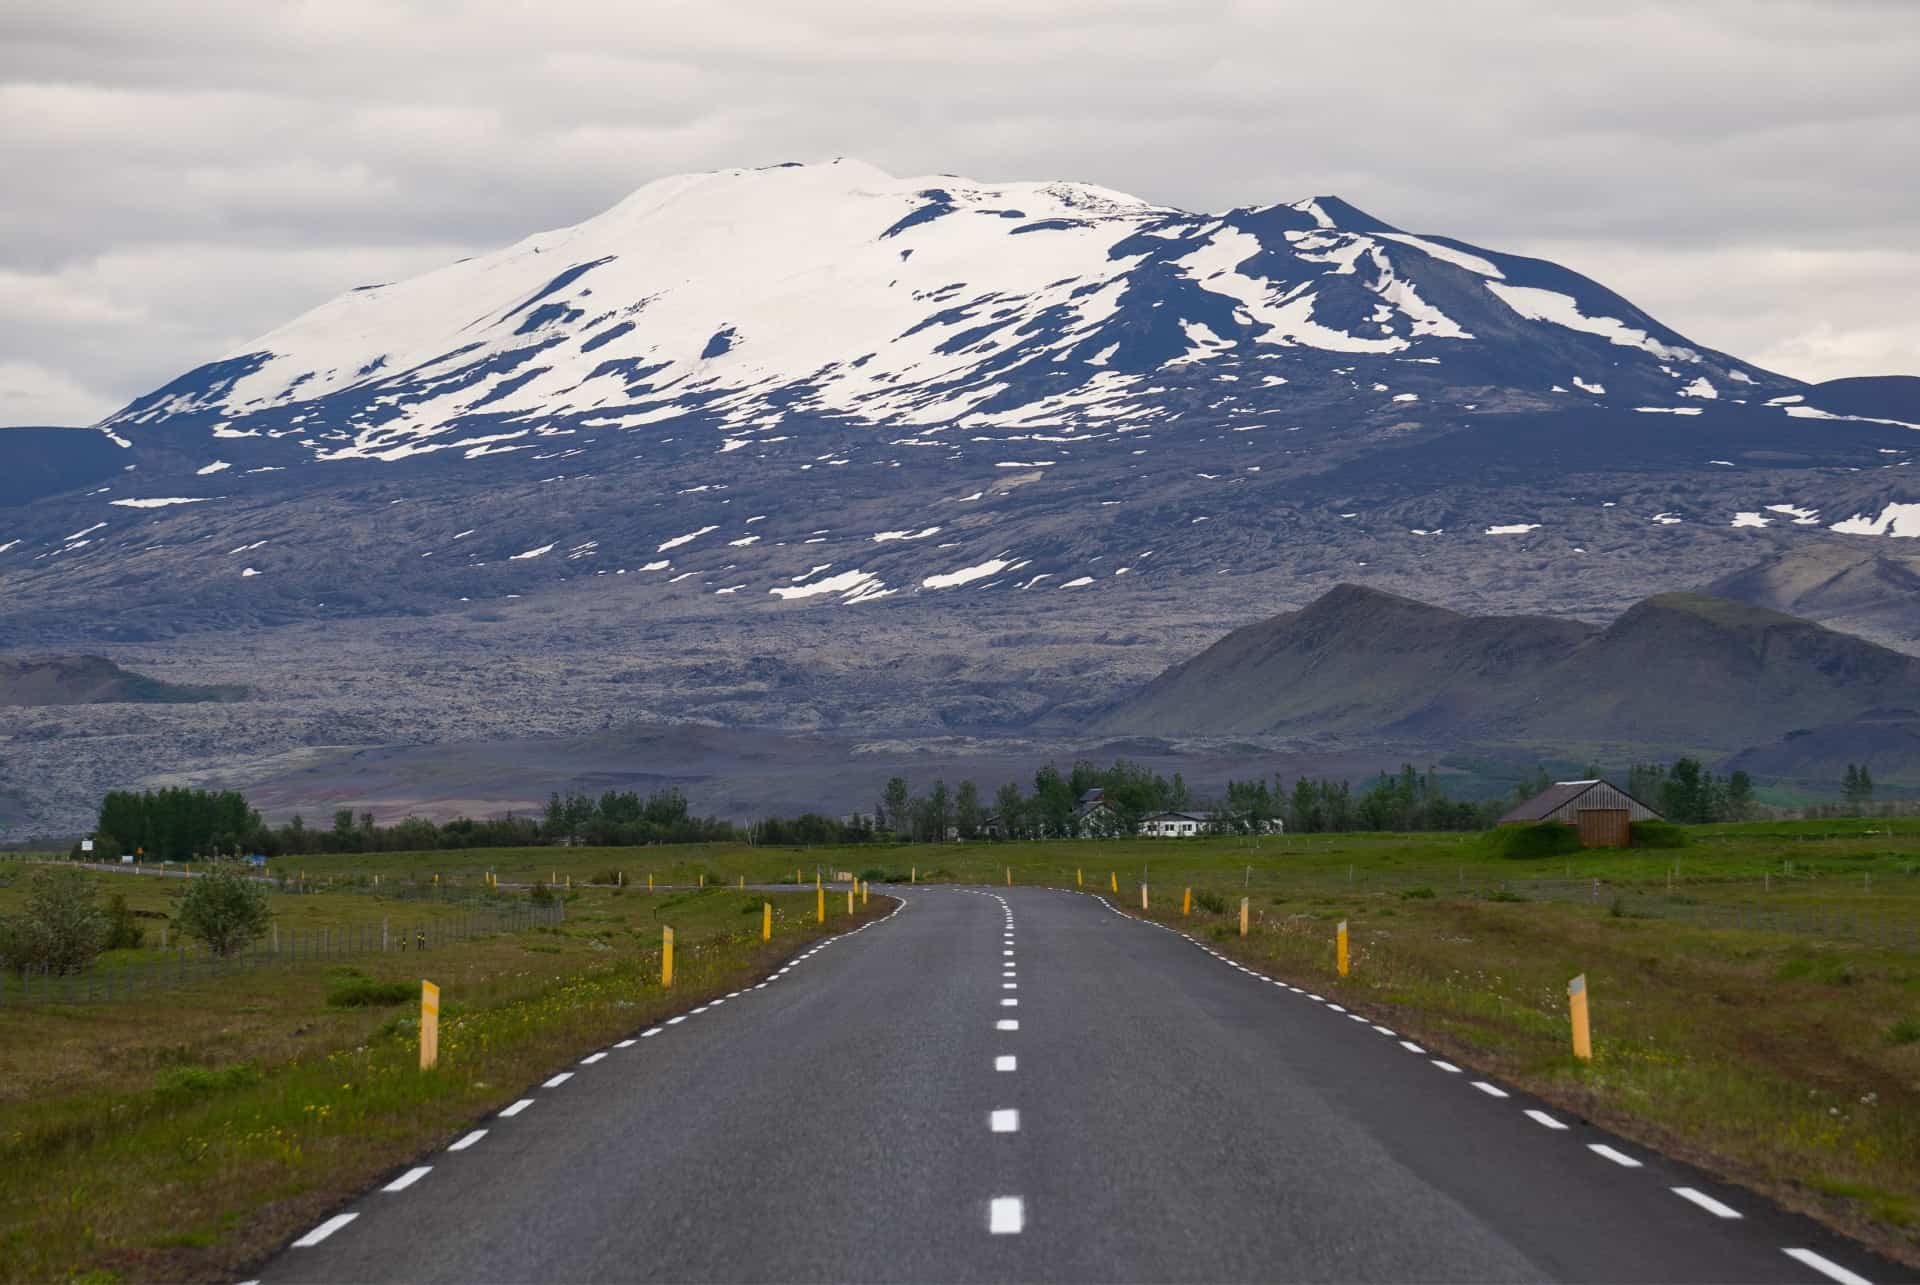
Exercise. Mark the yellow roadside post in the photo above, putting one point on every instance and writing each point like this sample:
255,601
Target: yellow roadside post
743,883
1186,904
1079,878
666,956
1243,916
649,883
1009,876
820,896
766,921
569,881
866,889
436,876
1577,1002
1143,896
429,1026
703,879
850,896
913,876
1114,880
1340,946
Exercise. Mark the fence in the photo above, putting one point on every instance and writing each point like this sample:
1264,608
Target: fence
134,973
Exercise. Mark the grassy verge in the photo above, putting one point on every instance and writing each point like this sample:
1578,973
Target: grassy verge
183,1133
1788,1063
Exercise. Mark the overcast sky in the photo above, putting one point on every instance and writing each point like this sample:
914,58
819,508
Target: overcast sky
178,176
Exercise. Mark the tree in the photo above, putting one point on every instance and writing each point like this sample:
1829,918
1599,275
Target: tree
225,910
1739,795
1685,796
966,809
61,928
1857,785
1013,810
895,810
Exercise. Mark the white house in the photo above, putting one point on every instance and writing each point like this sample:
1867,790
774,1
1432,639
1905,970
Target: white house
1176,825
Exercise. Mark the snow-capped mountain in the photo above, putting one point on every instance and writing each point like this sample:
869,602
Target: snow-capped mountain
822,383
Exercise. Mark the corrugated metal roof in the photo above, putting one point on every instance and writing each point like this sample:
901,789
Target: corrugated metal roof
1543,804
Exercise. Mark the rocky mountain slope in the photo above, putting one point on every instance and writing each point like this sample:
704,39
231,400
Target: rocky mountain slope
1685,671
820,386
95,680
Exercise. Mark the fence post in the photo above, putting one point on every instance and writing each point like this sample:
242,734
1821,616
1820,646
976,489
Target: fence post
1577,1005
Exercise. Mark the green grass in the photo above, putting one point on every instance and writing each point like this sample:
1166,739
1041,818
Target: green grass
182,1133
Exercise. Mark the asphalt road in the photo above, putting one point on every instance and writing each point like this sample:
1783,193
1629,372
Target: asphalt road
1022,1084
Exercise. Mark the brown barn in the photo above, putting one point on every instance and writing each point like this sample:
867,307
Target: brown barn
1601,811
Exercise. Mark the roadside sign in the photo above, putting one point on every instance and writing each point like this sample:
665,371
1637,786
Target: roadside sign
86,845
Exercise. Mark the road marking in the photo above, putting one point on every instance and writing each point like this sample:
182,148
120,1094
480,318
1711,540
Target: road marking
1004,1120
1007,953
762,986
1355,1017
1315,998
468,1141
716,1004
1411,1047
1446,1066
1706,1202
1383,1030
408,1178
1007,1024
507,1113
324,1230
675,1021
1009,986
1620,1158
1006,1062
703,1008
591,1058
1826,1267
1009,1002
1335,1008
649,1034
736,994
558,1080
1006,1216
1542,1118
1489,1089
626,1044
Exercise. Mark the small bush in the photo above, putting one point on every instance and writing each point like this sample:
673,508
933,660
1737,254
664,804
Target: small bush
123,930
1211,902
1827,970
540,894
872,873
1501,894
1904,1031
1416,894
62,928
185,1082
365,992
225,910
1528,842
1659,834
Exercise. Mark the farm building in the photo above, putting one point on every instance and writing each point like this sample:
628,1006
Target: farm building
1175,825
1601,811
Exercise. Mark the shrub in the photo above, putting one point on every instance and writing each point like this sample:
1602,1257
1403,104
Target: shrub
60,930
1211,902
540,895
225,910
872,873
365,992
123,930
1527,842
184,1082
1416,894
1904,1031
1659,834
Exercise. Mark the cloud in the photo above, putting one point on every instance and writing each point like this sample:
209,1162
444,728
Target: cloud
183,174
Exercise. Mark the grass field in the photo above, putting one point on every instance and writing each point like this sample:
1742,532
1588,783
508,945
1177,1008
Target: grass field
1756,994
183,1132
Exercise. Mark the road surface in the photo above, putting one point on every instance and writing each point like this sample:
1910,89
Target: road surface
1023,1084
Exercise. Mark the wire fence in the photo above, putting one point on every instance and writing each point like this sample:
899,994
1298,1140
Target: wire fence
136,972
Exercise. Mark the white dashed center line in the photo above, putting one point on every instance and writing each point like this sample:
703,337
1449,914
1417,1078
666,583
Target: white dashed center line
1411,1047
1446,1066
1490,1090
591,1058
1006,1062
507,1113
1706,1202
1009,1002
468,1141
1826,1267
408,1178
1007,1024
1006,1216
1620,1158
558,1080
324,1230
1009,986
1542,1118
626,1044
1004,1120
